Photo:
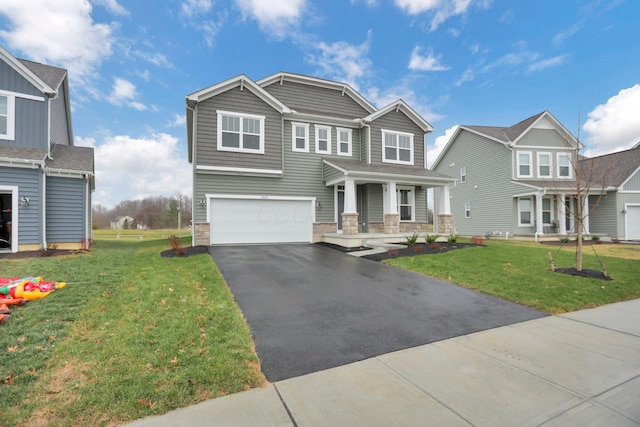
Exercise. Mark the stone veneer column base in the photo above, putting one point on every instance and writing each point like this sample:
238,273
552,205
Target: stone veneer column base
391,223
445,224
349,224
322,228
202,236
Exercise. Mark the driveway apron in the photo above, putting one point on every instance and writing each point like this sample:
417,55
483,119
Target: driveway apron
312,308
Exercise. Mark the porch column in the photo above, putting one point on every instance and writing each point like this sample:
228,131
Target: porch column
392,217
562,215
350,214
539,228
445,219
585,214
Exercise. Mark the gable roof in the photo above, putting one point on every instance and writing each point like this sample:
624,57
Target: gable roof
315,81
400,105
52,76
11,154
26,72
613,169
71,158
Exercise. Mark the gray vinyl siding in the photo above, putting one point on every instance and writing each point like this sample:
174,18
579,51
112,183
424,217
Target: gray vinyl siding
420,204
623,199
543,138
375,202
633,184
31,124
299,96
28,182
238,101
602,219
397,121
488,166
59,119
329,173
12,81
65,210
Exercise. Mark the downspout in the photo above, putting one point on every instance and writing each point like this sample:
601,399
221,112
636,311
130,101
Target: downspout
88,223
193,168
365,124
44,207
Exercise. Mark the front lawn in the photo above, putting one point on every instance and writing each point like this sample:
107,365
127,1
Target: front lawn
518,271
132,335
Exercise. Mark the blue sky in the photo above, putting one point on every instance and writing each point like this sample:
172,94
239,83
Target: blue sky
479,62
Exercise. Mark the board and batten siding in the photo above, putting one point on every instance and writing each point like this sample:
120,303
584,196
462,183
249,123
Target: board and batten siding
488,187
237,101
397,121
603,218
59,119
65,209
30,124
303,97
29,185
543,138
13,81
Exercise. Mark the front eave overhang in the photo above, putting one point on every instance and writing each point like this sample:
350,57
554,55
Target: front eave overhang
69,173
400,105
382,177
21,163
560,189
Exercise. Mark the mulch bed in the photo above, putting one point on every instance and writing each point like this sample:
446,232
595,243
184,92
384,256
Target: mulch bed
188,251
591,274
418,249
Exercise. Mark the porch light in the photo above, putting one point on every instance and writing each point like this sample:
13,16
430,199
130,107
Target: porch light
623,211
203,202
24,201
318,205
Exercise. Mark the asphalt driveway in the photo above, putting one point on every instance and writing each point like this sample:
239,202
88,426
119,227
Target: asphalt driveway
312,308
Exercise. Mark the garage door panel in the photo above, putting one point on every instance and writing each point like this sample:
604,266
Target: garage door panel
260,221
633,222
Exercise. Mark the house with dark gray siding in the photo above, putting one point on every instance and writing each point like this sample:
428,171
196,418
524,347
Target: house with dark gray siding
45,181
521,180
293,158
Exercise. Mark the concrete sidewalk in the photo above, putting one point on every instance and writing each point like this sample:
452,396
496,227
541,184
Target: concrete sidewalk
579,369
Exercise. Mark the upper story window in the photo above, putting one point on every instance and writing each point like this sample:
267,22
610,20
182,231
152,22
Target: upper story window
323,139
463,175
564,165
397,147
300,137
240,132
544,165
524,164
7,117
344,142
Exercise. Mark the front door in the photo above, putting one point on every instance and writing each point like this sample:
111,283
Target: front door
339,205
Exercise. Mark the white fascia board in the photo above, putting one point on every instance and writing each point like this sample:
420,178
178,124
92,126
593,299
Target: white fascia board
68,173
25,72
258,197
313,81
238,171
21,163
386,177
629,177
322,120
407,110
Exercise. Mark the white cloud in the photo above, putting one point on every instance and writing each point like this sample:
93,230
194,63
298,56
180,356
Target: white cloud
547,63
157,59
405,92
59,33
342,61
467,76
569,32
113,6
84,142
438,145
614,126
128,167
177,120
276,17
512,59
124,93
196,7
441,10
425,63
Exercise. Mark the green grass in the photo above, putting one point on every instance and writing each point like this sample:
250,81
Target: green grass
518,271
132,335
109,234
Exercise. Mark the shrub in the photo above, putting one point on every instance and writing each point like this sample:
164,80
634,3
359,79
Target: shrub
430,239
411,240
565,239
175,244
452,239
595,238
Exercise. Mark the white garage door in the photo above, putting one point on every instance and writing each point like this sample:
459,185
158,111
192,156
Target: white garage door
260,220
633,222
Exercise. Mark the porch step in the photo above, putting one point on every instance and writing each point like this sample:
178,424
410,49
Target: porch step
382,244
367,252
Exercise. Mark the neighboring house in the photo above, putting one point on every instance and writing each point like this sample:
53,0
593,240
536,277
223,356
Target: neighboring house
617,214
292,158
123,222
45,181
517,180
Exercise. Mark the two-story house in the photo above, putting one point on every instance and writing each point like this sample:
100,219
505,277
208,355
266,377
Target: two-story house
293,158
517,179
45,181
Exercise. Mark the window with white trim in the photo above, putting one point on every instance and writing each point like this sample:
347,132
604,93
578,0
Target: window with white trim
544,165
547,212
467,210
240,132
7,117
344,142
564,165
524,164
525,216
323,139
300,137
406,203
463,175
397,147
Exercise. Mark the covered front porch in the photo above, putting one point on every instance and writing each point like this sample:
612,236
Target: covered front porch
382,202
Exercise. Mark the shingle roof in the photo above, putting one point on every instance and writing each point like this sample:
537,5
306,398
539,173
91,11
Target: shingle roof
52,76
22,153
356,166
68,157
611,170
507,134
